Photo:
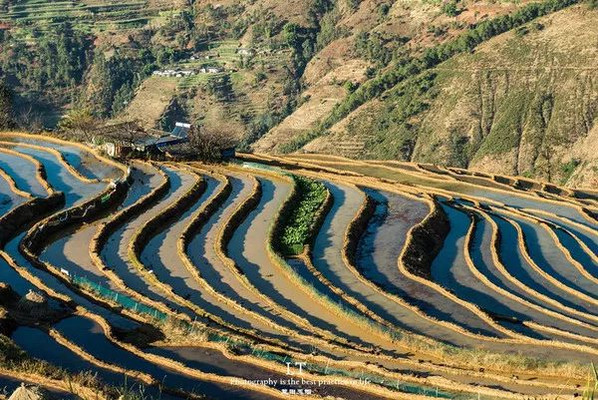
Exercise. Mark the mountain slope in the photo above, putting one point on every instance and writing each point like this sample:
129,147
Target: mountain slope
524,103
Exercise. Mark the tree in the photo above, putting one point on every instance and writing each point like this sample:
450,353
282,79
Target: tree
6,114
79,123
451,9
206,143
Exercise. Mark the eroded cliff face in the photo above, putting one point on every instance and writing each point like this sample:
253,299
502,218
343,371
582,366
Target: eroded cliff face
524,103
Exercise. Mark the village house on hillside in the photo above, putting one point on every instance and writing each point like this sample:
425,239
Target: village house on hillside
122,140
178,73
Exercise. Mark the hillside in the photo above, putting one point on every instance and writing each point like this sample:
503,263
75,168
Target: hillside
524,103
500,86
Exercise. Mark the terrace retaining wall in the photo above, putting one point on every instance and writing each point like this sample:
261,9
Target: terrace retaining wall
17,218
161,221
426,240
38,236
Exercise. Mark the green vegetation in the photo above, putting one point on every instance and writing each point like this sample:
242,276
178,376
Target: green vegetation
33,16
60,58
591,389
568,168
450,8
299,226
6,120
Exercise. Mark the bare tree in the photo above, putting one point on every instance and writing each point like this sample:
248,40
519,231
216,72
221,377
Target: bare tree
206,144
79,123
30,119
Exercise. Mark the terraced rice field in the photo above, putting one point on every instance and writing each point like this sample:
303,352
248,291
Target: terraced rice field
414,281
86,15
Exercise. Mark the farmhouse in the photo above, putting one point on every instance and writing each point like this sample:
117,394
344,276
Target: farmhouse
211,70
122,140
178,73
245,52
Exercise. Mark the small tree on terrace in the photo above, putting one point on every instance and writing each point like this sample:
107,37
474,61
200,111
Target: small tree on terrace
206,143
79,123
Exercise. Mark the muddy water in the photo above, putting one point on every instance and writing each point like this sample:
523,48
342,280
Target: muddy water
60,179
23,172
83,161
518,267
144,179
115,252
504,196
161,256
71,251
449,265
89,336
577,252
327,257
40,345
52,282
208,359
10,276
202,254
482,259
8,198
75,191
248,249
385,235
589,239
512,198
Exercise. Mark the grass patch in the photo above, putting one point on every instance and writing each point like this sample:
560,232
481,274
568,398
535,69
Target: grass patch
591,390
568,168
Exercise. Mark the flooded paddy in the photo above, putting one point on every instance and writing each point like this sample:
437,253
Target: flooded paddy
330,308
115,253
23,172
88,335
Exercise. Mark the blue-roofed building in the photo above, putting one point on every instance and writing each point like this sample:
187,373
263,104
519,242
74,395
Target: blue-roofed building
181,130
179,135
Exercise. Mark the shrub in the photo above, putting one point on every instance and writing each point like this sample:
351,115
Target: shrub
451,9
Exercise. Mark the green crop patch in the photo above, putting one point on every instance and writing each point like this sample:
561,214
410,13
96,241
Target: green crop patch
299,225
